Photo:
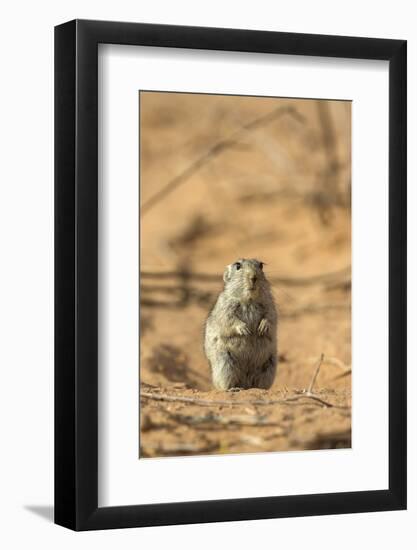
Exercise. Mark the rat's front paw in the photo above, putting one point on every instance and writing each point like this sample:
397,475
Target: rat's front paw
242,329
263,327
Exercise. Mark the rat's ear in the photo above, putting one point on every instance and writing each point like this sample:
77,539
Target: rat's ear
227,274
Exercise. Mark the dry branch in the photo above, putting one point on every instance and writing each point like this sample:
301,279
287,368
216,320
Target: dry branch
334,361
316,372
287,281
216,150
314,308
347,372
224,402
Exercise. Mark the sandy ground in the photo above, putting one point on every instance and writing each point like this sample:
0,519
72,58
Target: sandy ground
223,178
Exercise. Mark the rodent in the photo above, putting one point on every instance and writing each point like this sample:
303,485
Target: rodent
241,330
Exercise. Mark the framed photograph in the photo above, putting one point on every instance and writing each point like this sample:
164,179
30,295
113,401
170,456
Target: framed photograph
230,284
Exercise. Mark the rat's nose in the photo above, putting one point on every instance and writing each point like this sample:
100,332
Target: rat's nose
253,279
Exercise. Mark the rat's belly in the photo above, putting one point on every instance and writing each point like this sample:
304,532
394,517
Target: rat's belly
250,349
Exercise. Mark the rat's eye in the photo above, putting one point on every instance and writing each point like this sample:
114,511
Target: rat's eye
261,265
238,265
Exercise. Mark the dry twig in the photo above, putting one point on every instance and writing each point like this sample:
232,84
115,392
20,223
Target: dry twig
314,308
287,281
343,374
316,372
216,150
224,402
334,361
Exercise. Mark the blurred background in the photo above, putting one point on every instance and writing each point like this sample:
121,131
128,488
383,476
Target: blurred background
224,177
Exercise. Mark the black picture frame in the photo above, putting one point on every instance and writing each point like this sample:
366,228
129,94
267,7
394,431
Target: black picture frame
76,273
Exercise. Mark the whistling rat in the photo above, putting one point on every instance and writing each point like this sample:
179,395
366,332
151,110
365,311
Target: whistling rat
241,330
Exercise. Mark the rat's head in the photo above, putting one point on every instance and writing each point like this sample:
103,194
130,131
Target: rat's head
245,278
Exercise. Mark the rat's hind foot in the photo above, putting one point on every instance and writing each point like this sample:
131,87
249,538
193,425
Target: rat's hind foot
266,375
235,389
